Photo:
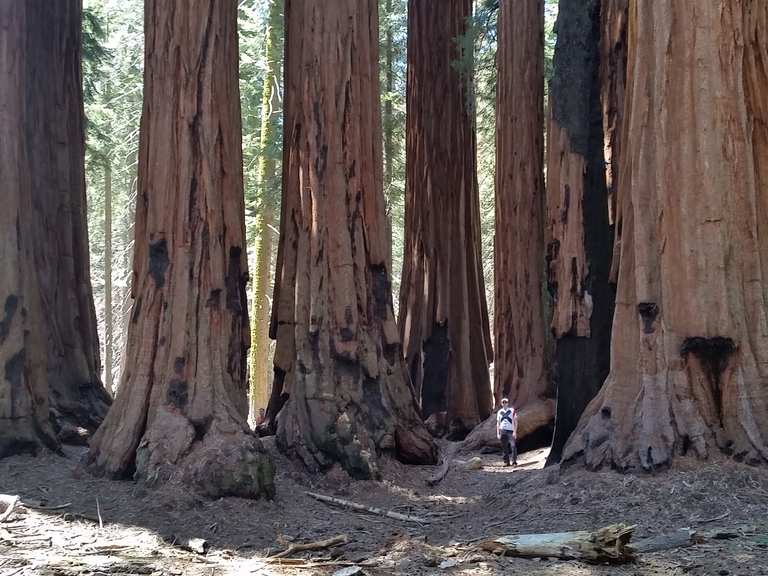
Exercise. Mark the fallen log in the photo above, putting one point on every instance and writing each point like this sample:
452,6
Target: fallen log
369,509
609,544
529,419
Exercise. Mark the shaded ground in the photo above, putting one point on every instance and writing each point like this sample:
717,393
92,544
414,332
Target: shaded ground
140,526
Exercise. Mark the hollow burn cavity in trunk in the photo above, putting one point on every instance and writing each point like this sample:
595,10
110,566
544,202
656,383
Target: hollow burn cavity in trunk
158,261
648,311
11,304
436,358
713,354
235,282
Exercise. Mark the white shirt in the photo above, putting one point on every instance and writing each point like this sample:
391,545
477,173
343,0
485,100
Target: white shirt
504,423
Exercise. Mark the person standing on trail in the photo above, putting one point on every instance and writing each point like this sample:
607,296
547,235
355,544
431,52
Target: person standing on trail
506,431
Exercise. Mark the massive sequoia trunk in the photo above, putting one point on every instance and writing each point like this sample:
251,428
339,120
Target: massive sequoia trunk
180,413
338,359
443,311
690,343
268,191
48,341
579,239
519,324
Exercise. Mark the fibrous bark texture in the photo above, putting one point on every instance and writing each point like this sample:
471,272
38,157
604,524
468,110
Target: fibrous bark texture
690,343
519,322
180,414
443,311
49,353
268,196
579,240
338,367
613,75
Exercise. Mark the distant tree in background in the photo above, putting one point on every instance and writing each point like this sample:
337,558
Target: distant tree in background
520,370
268,206
443,311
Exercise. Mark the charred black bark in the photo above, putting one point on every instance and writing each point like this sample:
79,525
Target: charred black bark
583,363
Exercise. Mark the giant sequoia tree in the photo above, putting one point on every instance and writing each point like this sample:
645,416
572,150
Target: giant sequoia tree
181,410
339,375
443,311
578,235
690,345
519,324
48,342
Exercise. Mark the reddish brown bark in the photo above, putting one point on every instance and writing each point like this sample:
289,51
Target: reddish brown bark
689,343
578,235
180,414
613,74
48,341
338,369
519,320
443,311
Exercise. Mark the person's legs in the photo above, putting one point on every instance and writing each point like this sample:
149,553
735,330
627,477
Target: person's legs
506,437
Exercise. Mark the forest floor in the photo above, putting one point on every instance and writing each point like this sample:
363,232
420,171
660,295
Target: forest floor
142,529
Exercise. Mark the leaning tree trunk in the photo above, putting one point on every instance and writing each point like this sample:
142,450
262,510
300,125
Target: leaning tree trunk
180,414
579,239
338,357
690,338
443,311
519,325
48,340
268,187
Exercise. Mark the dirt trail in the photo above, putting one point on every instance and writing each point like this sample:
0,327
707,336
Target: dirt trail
140,526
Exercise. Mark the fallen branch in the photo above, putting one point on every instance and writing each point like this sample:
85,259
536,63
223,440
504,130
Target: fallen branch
445,466
319,545
41,507
12,501
607,544
370,509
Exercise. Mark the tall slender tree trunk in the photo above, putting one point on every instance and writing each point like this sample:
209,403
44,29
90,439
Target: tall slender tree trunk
613,75
343,390
49,351
270,125
443,311
690,343
108,316
181,411
389,123
578,235
519,325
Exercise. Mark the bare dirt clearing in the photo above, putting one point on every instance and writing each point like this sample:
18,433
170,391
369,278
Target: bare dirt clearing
142,528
